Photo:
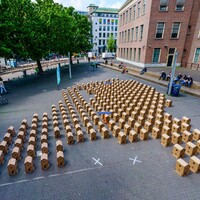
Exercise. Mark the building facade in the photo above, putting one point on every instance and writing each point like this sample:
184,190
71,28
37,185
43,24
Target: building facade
104,23
150,32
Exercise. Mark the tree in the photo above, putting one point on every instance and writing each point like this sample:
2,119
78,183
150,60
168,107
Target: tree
111,43
34,29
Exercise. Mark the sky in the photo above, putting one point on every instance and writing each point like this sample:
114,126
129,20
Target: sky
83,4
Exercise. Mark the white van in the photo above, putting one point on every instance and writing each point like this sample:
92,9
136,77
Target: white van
108,55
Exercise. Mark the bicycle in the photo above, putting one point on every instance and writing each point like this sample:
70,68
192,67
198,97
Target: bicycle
3,100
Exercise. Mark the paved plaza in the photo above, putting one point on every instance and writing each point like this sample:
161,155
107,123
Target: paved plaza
100,169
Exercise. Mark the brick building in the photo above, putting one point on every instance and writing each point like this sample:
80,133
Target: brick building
150,31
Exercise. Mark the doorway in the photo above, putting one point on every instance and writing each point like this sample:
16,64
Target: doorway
170,57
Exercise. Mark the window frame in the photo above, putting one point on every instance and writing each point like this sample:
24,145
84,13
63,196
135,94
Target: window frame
139,9
136,33
158,56
162,31
139,54
178,31
141,31
195,56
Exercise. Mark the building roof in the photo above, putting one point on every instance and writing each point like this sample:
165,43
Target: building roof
106,10
125,4
92,5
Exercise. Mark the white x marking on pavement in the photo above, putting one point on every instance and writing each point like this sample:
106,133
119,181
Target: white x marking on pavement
97,161
135,160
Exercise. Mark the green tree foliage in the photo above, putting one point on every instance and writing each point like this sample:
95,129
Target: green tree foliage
111,43
34,29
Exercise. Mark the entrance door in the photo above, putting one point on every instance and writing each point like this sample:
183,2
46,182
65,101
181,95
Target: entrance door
170,57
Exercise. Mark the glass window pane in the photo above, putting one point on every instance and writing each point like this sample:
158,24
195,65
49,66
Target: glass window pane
156,55
196,56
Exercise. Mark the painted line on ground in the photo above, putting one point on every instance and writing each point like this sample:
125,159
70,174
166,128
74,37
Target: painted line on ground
53,175
37,178
22,181
66,173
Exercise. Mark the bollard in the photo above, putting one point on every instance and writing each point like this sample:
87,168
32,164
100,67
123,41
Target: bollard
60,159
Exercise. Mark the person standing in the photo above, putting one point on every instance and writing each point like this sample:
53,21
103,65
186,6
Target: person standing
2,87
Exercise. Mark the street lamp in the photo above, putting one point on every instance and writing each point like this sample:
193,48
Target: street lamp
173,72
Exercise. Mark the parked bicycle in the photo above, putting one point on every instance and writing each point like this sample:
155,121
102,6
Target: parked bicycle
3,100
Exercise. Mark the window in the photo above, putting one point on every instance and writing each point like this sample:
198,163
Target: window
120,20
144,6
160,30
175,30
163,5
156,55
139,54
108,34
99,42
127,55
134,55
99,34
123,18
139,9
130,53
104,42
141,31
122,36
125,36
126,16
128,35
104,28
115,35
136,33
196,55
180,5
115,28
130,14
112,28
108,21
108,28
132,34
104,35
100,28
104,21
134,11
100,21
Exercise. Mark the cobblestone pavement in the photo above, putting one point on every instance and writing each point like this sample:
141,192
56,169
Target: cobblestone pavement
100,169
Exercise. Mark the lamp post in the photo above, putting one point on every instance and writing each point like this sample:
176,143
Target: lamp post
173,72
70,71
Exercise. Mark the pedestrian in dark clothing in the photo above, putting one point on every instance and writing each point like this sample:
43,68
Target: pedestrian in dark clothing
143,71
163,75
169,76
179,77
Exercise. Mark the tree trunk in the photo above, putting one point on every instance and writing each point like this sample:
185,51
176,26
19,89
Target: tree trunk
39,67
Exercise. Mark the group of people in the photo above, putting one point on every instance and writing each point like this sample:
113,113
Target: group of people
185,80
2,87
